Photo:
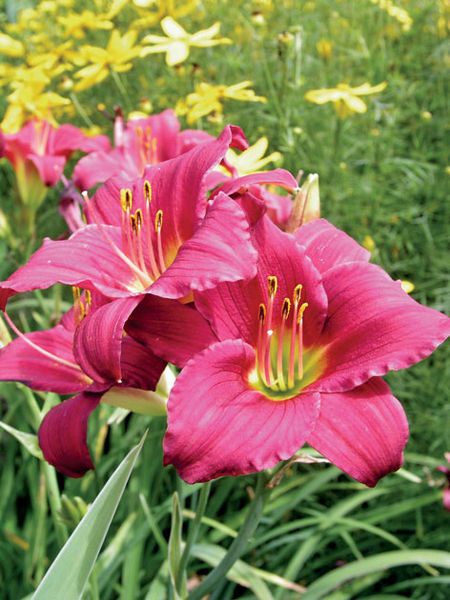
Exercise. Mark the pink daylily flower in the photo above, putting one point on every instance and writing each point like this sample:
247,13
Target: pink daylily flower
138,144
48,149
299,358
157,234
446,491
61,360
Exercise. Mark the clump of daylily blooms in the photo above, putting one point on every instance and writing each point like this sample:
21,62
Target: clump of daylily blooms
281,327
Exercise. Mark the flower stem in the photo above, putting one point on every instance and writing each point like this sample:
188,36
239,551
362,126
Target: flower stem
239,544
192,535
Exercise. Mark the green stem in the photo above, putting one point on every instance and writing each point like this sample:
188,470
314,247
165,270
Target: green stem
81,110
239,544
193,531
121,88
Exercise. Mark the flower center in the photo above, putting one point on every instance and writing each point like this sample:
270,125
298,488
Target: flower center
146,147
283,365
141,243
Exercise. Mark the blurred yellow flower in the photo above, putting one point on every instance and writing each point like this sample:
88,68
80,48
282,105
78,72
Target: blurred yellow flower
325,49
346,100
369,243
76,24
29,100
252,160
10,47
407,286
397,13
177,43
117,56
165,8
207,99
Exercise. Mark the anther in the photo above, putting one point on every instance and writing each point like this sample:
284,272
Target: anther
286,308
297,293
147,191
262,313
126,199
301,310
139,218
272,283
158,220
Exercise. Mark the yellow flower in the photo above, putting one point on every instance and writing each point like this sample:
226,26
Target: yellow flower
346,100
10,47
116,56
29,100
165,8
76,24
325,49
369,243
252,160
177,43
207,99
407,286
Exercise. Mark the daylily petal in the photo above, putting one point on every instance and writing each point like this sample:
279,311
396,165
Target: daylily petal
233,308
279,177
140,367
68,138
50,167
373,326
62,435
218,425
327,246
86,260
363,431
174,331
98,340
220,250
21,361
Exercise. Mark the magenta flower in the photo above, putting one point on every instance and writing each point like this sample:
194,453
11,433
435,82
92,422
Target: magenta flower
38,153
61,360
301,351
158,234
138,144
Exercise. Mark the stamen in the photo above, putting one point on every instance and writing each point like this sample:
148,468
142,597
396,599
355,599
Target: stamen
300,338
147,191
285,310
272,284
155,273
126,200
260,346
296,296
137,228
50,355
142,277
158,227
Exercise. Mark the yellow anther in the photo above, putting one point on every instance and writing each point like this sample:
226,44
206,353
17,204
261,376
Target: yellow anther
158,220
272,283
139,219
297,293
147,191
262,313
76,294
154,141
286,307
126,199
139,132
148,131
88,298
133,223
301,310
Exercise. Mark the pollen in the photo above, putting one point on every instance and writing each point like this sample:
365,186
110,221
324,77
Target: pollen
126,199
147,191
272,284
286,308
158,220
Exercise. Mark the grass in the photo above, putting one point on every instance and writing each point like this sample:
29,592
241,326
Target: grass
382,174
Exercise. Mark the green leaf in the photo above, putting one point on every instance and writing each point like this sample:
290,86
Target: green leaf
71,568
175,549
386,560
28,440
